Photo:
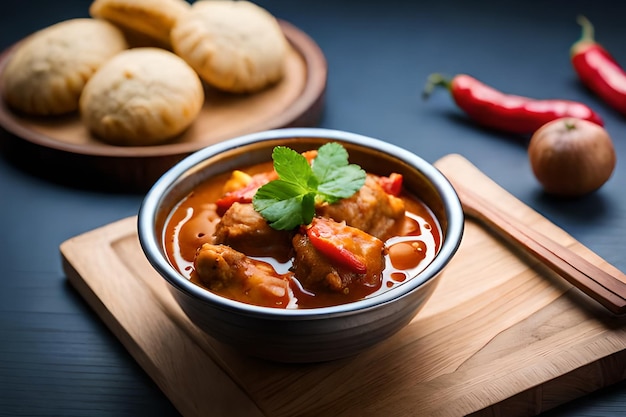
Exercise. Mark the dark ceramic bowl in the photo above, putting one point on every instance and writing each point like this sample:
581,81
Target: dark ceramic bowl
301,335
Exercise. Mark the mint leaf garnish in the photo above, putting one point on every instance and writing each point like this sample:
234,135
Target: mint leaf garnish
289,201
291,166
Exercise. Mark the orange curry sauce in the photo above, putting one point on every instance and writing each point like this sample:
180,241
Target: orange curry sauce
192,223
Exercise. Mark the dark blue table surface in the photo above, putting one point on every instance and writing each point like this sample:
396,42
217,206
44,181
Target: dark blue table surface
58,358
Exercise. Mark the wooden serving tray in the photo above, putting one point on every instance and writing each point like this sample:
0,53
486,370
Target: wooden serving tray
501,335
65,145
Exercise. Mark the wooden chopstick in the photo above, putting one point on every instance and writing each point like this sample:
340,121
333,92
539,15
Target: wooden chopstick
591,280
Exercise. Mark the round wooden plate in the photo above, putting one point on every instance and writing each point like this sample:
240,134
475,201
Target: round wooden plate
62,148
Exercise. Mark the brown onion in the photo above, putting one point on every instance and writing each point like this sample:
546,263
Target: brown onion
571,157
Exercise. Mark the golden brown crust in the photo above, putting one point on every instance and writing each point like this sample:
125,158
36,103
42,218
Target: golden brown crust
143,96
152,18
235,46
48,70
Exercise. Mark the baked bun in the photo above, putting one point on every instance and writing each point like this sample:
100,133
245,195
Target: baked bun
48,70
235,46
151,18
142,96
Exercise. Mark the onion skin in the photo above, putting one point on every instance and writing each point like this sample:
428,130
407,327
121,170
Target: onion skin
571,157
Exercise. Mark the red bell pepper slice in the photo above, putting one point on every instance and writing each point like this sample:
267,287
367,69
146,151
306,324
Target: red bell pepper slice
242,195
246,193
330,239
391,184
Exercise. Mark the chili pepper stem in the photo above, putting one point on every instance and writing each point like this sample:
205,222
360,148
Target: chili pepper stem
587,29
435,80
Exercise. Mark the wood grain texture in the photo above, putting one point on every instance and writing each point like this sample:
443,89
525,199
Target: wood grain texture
608,290
501,335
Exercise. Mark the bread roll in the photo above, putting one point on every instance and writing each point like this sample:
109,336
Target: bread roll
235,46
142,96
48,70
151,18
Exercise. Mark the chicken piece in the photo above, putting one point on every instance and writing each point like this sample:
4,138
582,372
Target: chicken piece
334,256
232,274
245,230
371,209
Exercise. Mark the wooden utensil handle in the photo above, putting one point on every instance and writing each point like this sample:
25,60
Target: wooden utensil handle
593,281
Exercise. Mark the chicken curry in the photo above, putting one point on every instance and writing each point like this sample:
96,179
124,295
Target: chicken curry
348,248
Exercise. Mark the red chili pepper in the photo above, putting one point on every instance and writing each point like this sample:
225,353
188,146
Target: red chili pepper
597,68
331,239
507,112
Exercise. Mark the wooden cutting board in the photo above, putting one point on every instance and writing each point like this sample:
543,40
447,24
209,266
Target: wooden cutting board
501,335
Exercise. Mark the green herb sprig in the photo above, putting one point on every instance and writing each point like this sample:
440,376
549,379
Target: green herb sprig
289,201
